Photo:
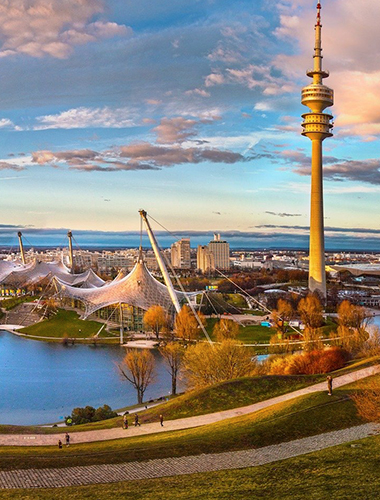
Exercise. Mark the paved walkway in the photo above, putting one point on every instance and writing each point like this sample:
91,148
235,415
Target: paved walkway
182,423
96,474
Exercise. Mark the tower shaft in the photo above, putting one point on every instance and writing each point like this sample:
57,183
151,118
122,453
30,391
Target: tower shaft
317,127
317,275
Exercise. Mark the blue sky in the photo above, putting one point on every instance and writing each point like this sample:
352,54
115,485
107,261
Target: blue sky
190,110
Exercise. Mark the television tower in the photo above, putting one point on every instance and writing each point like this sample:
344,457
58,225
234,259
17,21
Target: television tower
317,126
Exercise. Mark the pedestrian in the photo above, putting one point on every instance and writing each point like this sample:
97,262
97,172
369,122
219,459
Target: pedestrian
67,439
329,385
137,423
60,444
162,420
125,422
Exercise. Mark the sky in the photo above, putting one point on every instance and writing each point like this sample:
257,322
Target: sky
190,110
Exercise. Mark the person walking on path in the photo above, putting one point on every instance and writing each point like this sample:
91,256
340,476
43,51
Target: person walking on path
137,423
329,384
60,444
162,420
67,439
125,422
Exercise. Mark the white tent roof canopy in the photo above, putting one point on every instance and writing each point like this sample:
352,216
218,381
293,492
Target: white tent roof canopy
139,288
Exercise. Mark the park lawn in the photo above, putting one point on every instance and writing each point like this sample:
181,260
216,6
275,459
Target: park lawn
340,473
235,299
65,324
249,334
304,416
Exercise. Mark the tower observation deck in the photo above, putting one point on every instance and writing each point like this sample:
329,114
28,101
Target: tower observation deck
317,126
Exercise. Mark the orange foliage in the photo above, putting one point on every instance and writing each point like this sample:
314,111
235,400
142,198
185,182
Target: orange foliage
310,363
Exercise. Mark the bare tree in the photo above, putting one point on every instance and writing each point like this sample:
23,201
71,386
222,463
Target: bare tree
226,329
173,354
138,368
156,318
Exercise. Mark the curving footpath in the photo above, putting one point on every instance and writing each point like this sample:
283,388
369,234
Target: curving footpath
181,423
153,469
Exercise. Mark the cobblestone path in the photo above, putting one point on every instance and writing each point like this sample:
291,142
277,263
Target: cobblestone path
182,423
96,474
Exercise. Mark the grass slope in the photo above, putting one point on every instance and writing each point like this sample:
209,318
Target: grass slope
339,473
305,416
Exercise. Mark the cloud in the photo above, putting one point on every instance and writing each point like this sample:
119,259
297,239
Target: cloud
175,130
283,214
138,156
87,118
52,27
198,92
4,165
214,79
328,229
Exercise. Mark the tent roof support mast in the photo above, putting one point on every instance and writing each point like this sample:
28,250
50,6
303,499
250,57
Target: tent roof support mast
19,234
71,256
160,261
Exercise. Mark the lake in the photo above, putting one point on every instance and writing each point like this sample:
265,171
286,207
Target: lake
42,382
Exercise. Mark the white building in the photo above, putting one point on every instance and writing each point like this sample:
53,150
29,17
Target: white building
180,254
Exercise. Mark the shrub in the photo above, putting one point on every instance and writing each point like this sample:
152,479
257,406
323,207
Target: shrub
89,414
309,363
367,401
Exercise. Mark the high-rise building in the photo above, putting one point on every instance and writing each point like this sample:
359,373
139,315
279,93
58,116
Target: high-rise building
221,252
180,254
205,259
317,126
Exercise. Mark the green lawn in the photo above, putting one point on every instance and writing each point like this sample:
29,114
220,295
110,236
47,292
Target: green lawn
305,416
249,334
65,323
338,473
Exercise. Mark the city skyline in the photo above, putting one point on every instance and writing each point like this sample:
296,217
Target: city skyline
189,110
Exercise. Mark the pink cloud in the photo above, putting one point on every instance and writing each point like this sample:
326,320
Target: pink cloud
52,27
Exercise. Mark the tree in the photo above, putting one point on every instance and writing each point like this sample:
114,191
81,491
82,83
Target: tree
173,354
186,324
156,319
310,309
138,368
353,323
208,364
283,314
226,329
